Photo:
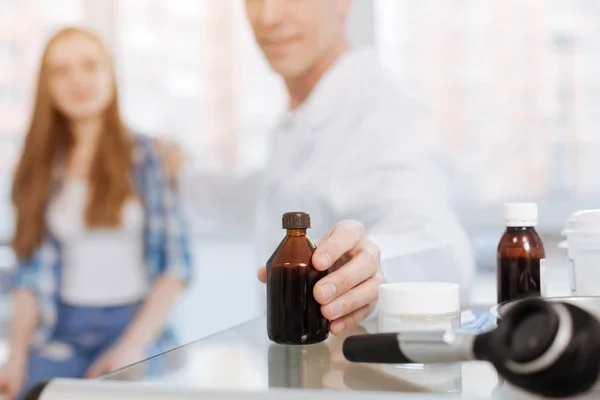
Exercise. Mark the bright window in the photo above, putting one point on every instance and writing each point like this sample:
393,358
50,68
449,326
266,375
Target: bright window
190,71
516,84
24,29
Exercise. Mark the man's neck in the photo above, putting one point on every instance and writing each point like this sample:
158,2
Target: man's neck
300,88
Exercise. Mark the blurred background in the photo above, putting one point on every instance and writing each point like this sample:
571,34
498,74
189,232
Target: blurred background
517,84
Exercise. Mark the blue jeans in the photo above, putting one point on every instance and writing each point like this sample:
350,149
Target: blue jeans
81,336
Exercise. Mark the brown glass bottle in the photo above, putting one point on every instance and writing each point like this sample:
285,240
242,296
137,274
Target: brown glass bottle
293,314
521,255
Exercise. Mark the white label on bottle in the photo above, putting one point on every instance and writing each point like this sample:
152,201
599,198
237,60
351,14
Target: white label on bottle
543,275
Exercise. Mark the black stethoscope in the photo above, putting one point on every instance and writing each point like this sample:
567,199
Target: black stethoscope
550,349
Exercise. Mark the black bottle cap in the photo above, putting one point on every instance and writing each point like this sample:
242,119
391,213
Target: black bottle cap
296,220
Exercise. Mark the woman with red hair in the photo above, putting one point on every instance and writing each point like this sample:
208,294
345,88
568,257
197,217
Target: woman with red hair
101,242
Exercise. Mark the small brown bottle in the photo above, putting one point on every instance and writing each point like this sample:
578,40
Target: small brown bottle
521,255
293,314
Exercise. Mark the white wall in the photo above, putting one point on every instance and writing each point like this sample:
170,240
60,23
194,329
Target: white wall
99,16
361,28
223,292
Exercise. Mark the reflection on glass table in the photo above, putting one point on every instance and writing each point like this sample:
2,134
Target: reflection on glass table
243,358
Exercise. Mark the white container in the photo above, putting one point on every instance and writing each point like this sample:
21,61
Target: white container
582,232
422,306
416,306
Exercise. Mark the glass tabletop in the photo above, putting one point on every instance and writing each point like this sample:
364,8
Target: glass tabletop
243,358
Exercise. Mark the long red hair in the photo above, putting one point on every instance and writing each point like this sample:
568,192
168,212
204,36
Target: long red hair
49,140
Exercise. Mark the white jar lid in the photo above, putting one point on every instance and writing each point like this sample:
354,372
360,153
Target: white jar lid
419,298
584,221
520,214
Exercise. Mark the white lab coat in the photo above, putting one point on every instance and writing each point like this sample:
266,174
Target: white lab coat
361,147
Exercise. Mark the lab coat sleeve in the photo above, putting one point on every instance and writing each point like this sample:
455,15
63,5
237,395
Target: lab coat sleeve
393,179
220,202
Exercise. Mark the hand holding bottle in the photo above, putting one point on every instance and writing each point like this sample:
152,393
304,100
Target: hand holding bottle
350,290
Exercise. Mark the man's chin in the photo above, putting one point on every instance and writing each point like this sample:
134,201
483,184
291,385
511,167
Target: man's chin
285,69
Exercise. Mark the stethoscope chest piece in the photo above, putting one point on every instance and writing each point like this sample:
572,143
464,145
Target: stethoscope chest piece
551,349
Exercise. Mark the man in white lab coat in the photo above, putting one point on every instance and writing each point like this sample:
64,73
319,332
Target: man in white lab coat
353,147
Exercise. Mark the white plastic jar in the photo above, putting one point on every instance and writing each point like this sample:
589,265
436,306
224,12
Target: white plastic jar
417,306
582,232
422,306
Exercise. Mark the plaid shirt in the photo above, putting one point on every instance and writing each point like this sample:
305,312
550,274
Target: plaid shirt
166,244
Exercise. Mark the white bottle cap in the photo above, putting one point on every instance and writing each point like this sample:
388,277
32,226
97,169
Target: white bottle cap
520,214
419,298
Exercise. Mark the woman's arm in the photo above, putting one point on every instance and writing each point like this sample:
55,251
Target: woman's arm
146,327
24,323
14,372
150,319
212,198
28,284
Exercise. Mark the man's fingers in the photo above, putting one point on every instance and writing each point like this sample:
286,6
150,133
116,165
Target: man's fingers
351,320
262,274
348,303
337,283
343,238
